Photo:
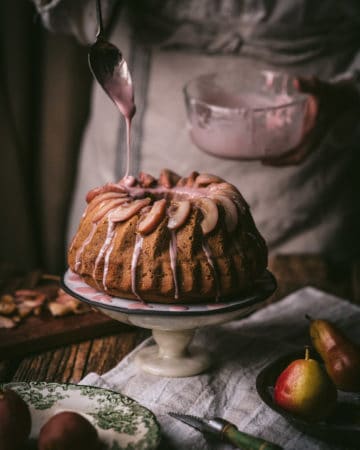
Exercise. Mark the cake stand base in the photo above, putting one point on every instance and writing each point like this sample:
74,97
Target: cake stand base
171,357
173,326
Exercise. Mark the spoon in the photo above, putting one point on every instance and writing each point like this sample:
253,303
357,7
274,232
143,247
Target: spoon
111,70
112,73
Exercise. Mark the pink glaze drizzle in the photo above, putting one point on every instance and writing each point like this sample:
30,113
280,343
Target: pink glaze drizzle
209,257
106,262
72,243
101,199
128,131
178,308
84,244
173,255
89,238
109,236
135,257
120,89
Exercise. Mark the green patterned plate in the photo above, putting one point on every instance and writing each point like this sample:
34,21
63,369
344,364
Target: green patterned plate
120,421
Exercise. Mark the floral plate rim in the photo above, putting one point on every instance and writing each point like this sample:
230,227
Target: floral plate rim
114,432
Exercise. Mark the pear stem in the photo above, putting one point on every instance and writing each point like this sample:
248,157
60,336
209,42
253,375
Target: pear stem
307,352
309,318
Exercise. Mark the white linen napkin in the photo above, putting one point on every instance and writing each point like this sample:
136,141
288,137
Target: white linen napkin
240,349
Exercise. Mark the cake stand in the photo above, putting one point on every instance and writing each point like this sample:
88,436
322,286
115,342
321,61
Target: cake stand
172,325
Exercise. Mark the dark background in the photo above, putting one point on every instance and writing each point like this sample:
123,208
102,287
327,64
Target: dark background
44,99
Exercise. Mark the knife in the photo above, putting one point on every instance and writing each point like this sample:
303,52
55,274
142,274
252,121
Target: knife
226,431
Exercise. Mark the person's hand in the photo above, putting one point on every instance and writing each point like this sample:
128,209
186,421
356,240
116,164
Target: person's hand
326,102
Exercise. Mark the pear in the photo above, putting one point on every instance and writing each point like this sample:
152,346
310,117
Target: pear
304,388
68,430
15,420
341,356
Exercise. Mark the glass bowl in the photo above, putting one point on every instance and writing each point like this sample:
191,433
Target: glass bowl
252,114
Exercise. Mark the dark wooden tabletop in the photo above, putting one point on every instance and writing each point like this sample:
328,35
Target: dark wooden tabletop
70,363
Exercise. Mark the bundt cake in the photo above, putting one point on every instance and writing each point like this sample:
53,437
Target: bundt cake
168,240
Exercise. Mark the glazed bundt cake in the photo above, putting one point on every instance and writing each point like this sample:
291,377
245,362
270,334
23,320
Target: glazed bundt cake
168,240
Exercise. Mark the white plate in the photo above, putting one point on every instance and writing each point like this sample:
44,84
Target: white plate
76,287
121,422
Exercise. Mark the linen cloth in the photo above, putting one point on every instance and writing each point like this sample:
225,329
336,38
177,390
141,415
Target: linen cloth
240,349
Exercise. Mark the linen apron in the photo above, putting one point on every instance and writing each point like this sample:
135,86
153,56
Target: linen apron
309,208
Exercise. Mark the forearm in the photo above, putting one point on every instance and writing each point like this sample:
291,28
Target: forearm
77,18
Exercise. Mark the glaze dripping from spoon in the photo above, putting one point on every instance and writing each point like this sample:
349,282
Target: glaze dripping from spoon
112,73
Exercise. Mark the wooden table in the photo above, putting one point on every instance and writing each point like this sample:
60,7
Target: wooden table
71,363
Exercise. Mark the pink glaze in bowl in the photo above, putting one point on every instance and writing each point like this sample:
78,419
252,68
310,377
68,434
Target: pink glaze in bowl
252,114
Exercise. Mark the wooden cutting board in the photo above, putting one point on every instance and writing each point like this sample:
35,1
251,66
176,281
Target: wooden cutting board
39,333
36,334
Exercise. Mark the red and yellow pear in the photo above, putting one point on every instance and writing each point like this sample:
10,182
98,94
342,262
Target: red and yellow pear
303,388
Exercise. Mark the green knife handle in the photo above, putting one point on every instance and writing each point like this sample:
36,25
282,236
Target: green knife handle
246,441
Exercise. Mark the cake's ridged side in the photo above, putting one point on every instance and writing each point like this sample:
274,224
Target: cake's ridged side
196,278
217,265
119,268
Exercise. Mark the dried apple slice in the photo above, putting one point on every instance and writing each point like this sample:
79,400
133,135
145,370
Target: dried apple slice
7,305
152,219
178,213
190,180
230,191
128,181
108,206
168,178
99,199
24,310
7,309
6,322
109,187
210,212
126,211
181,182
146,180
204,179
231,213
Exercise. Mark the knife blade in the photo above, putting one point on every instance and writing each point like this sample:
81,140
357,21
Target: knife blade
226,431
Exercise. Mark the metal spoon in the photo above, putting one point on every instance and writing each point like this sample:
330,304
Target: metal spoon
111,70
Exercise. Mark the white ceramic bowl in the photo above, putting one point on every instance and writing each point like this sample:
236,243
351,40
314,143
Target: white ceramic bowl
250,114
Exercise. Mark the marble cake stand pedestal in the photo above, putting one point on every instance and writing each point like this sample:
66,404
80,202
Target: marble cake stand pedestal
173,326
